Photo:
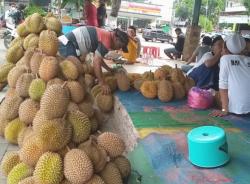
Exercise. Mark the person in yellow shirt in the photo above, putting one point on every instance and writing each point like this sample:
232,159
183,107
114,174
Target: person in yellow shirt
134,46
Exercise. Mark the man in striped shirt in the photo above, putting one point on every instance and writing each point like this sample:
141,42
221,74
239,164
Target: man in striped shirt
84,40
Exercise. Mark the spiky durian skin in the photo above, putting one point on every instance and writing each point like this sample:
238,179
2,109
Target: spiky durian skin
18,173
10,160
37,89
78,167
81,126
29,180
49,169
112,143
12,130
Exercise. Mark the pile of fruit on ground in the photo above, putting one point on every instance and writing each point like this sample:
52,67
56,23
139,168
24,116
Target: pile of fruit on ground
51,111
166,83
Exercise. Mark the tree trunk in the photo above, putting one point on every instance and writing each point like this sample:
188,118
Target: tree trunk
116,4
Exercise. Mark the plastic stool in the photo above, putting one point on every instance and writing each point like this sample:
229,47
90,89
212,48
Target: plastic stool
207,146
152,51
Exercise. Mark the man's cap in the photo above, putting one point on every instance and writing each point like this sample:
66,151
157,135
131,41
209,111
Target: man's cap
235,43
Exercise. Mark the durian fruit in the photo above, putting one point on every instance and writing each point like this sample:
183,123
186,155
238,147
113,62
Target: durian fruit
72,107
54,102
105,102
177,75
123,165
55,81
10,93
23,84
149,89
31,151
69,70
30,41
39,119
134,76
78,168
17,41
167,68
14,53
53,135
97,154
10,160
53,24
13,129
76,62
18,173
112,83
111,174
28,180
28,110
4,70
36,61
160,74
96,180
179,90
9,107
37,89
86,108
81,126
165,91
96,90
89,81
25,60
189,83
49,169
23,134
112,143
88,68
34,23
48,42
123,81
3,124
148,75
77,92
138,83
14,74
49,68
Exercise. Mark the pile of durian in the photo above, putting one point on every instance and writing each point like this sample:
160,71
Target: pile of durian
51,111
166,83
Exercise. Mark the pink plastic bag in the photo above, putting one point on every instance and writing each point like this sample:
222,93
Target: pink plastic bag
200,98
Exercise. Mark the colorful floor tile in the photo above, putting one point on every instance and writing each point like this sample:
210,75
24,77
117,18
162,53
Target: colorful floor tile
161,155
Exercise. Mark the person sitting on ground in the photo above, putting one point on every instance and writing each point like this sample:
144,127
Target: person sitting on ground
176,51
87,39
198,53
234,78
132,33
246,51
205,73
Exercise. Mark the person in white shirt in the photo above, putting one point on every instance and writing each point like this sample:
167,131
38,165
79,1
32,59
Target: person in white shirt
234,78
205,72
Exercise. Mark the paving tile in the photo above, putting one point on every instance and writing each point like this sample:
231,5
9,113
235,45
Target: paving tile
3,181
2,140
3,149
